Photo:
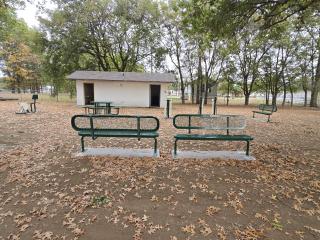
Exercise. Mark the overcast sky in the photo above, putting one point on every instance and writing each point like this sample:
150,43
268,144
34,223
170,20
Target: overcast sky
30,13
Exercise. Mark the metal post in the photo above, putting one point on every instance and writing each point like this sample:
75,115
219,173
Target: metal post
34,105
155,146
247,150
228,123
82,144
109,107
138,127
168,108
214,106
175,147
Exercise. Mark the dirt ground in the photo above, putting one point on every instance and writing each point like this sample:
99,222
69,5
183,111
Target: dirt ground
46,192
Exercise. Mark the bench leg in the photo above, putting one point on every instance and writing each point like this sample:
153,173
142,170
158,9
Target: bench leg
253,115
175,147
33,108
268,118
82,144
247,150
155,146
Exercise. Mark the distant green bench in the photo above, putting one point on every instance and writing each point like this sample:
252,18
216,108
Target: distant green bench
210,122
123,126
265,110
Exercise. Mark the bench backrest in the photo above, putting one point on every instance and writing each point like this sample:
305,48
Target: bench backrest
209,122
115,122
267,108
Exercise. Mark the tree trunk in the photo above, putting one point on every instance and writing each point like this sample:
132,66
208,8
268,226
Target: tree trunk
267,94
192,92
198,93
274,99
246,99
199,81
267,88
206,91
182,87
315,86
228,96
182,95
284,96
291,93
305,97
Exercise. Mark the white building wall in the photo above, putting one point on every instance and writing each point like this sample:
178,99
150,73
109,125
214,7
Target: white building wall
80,92
164,94
130,94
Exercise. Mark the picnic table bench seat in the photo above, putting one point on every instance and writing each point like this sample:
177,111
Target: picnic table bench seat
123,126
210,122
101,109
265,110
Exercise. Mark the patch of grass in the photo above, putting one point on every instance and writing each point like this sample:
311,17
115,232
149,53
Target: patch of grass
277,225
100,200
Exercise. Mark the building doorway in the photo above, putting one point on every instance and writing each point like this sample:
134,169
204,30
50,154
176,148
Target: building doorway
155,95
88,93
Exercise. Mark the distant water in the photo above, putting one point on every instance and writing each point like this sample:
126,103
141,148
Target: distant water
298,97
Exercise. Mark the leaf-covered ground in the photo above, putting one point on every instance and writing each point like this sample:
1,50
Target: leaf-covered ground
46,192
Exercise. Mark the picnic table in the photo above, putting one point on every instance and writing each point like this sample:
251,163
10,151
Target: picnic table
106,106
97,107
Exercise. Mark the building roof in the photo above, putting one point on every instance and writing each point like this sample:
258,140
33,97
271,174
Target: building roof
122,76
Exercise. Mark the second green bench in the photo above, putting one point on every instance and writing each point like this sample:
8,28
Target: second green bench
265,110
225,123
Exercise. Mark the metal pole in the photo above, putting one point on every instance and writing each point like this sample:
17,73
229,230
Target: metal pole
168,108
214,106
228,124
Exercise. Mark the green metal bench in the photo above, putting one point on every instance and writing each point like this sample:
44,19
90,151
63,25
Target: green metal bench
265,110
210,122
123,126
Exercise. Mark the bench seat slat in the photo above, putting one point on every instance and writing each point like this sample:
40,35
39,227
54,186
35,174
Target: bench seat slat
213,137
120,133
261,112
